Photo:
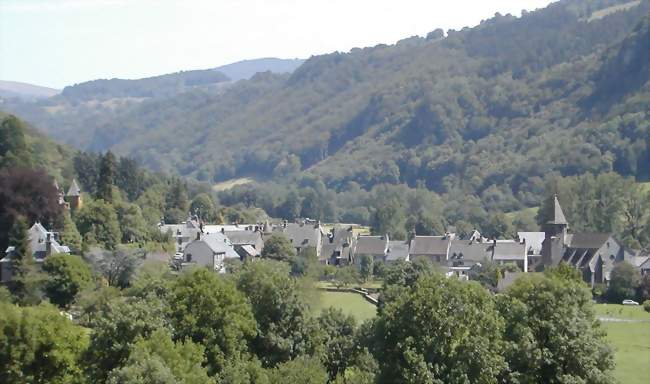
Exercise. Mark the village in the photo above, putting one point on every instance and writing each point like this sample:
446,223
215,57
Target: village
212,246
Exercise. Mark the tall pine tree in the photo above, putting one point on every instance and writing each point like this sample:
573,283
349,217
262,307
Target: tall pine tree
106,177
26,280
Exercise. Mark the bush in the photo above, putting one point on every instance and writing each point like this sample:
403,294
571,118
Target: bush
646,305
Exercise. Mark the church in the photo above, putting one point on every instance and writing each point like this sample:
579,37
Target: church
594,254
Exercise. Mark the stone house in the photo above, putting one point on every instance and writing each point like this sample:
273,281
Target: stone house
373,246
42,243
209,250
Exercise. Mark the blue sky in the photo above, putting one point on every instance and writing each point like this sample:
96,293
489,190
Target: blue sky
61,42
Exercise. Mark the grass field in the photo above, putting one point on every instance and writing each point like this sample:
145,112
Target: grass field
631,341
350,303
225,185
513,215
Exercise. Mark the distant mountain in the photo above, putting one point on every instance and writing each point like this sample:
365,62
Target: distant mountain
247,68
489,112
157,86
25,91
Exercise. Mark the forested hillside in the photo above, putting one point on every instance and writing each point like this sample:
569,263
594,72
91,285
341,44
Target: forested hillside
490,112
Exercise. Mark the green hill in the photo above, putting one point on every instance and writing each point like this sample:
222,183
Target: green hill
489,111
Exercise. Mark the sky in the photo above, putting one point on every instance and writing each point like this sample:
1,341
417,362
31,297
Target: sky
56,43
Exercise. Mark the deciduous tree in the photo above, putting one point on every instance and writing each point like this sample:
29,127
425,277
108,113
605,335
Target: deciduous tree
285,329
442,330
551,332
67,275
210,311
278,247
39,345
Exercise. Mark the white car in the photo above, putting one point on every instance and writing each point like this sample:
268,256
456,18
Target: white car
630,302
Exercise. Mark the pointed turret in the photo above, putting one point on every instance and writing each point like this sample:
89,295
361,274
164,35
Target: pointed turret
73,196
557,216
74,189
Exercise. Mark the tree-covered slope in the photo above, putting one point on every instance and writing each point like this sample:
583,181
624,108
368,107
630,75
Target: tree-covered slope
158,86
488,111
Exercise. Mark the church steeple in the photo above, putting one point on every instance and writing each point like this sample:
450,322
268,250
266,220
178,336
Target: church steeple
555,233
557,216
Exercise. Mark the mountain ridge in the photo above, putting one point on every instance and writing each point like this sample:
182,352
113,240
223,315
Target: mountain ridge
27,91
443,112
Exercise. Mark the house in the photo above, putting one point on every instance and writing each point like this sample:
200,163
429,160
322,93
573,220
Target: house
645,267
337,246
42,243
209,250
434,248
302,235
465,254
594,254
510,252
73,197
398,250
533,242
182,233
247,243
214,228
373,246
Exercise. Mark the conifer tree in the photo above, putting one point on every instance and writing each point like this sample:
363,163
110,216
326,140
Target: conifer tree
106,177
70,235
26,280
19,239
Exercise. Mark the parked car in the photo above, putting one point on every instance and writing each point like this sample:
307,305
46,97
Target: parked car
630,302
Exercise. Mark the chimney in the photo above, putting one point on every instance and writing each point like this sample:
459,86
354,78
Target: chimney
48,244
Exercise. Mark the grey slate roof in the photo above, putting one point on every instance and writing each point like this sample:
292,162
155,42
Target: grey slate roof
340,240
469,250
371,245
38,243
219,243
533,240
250,250
244,237
301,235
509,250
645,264
557,214
430,245
397,250
74,189
587,240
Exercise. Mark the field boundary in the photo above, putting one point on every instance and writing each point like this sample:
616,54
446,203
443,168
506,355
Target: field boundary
363,294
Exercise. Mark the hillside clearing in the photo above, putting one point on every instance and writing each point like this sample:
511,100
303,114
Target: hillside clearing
614,8
226,185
